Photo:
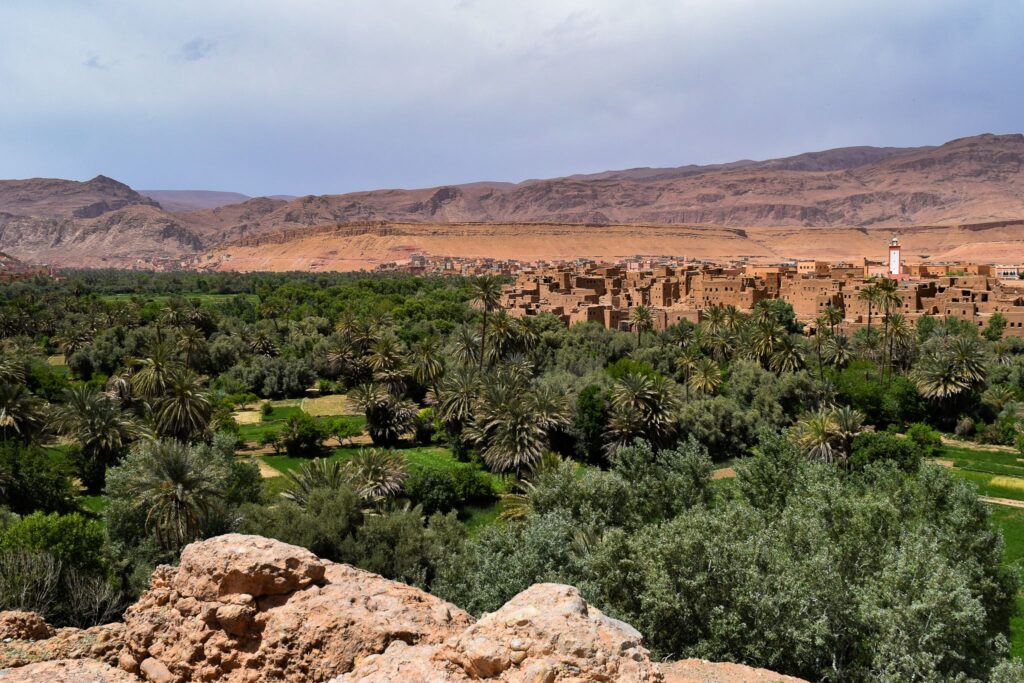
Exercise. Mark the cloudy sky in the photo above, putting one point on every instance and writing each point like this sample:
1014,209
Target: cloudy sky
317,96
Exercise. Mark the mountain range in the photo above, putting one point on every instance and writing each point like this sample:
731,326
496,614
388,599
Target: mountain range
969,181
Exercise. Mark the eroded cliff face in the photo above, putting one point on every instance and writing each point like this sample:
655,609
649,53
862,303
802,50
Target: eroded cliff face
245,609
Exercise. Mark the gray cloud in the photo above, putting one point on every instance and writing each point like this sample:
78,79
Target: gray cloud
196,49
317,97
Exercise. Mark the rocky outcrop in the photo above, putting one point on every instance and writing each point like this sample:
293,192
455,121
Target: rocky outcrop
246,608
547,633
23,626
67,671
100,643
700,671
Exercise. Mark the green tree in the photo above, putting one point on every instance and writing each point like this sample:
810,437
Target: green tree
641,319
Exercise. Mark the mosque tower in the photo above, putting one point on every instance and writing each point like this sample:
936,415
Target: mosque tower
894,257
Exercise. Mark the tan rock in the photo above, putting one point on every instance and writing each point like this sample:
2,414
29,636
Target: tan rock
700,671
245,608
545,634
23,626
101,643
67,671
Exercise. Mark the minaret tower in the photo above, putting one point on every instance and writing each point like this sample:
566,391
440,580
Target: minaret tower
894,257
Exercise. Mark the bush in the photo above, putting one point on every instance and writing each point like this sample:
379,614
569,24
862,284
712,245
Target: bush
270,438
928,440
303,435
73,540
266,409
32,479
443,490
872,447
423,426
964,427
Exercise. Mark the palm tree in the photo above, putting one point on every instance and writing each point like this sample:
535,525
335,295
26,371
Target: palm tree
12,370
457,398
641,319
837,351
101,428
22,415
949,367
387,361
869,294
465,345
712,320
184,410
832,316
901,338
789,356
310,476
376,474
888,296
642,407
427,366
818,436
176,486
487,297
388,417
705,377
511,436
764,339
191,342
685,362
154,372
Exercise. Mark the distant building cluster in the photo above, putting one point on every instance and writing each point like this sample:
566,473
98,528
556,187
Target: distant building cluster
11,269
679,290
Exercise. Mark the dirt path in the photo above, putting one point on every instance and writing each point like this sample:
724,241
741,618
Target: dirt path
1009,502
723,473
992,448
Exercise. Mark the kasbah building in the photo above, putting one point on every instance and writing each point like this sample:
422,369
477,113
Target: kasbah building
677,290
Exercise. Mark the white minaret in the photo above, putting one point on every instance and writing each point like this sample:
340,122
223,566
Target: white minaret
894,257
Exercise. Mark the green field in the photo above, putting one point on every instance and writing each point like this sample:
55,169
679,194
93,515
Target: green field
1011,521
279,415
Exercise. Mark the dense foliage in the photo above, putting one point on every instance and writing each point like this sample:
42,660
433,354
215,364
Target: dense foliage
491,452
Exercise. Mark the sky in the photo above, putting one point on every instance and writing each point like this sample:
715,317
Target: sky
332,96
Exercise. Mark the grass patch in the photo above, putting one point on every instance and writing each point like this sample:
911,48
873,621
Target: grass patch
328,406
475,519
203,299
57,360
992,462
93,504
989,484
1011,522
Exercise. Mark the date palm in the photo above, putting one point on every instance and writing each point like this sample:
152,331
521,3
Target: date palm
426,364
376,474
837,351
184,410
465,345
818,436
486,297
788,356
387,361
176,486
12,370
319,473
706,376
22,415
641,319
97,423
191,342
642,407
154,372
457,398
871,296
949,367
388,417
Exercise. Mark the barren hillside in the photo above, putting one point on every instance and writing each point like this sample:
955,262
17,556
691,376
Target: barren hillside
848,196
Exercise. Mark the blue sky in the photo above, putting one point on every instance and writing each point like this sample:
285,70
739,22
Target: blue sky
327,96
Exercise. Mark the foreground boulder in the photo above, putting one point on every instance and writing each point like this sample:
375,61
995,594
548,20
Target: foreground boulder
545,634
29,639
700,671
67,671
246,608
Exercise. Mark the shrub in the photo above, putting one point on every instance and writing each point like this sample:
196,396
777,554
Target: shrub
303,435
423,426
443,490
964,427
73,540
872,447
270,438
32,479
266,409
928,440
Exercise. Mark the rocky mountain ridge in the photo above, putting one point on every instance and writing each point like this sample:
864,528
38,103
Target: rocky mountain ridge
966,181
243,609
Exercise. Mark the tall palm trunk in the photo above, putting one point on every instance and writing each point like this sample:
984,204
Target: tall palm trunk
483,338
